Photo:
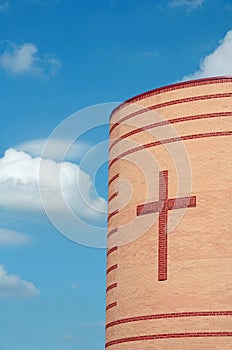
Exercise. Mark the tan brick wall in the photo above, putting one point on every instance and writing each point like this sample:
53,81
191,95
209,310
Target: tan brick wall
192,308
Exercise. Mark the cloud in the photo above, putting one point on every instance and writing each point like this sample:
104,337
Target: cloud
23,177
24,59
126,53
46,2
4,6
149,54
228,7
219,62
56,147
12,238
70,338
101,323
74,286
188,4
93,324
13,286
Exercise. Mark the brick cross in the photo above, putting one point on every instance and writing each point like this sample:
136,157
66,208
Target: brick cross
162,206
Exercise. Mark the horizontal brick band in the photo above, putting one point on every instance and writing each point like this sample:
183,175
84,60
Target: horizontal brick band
111,268
111,250
114,230
170,204
115,212
168,336
170,315
111,305
115,194
112,286
171,121
171,103
116,176
171,140
177,86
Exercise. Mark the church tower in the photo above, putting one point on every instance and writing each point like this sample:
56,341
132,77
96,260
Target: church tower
169,257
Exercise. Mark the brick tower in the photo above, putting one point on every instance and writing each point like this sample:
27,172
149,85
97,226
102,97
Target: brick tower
169,258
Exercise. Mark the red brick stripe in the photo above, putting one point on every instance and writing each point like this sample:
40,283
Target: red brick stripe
169,335
111,305
114,230
172,121
177,86
111,268
111,250
129,116
113,196
171,140
112,214
170,315
110,287
112,179
170,103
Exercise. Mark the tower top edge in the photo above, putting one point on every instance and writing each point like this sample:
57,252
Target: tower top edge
170,87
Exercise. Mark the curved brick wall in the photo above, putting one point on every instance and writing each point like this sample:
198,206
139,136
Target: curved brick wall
169,259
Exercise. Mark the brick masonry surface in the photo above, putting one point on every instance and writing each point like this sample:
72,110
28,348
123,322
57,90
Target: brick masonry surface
169,271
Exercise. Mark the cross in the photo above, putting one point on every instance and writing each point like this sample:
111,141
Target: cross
162,206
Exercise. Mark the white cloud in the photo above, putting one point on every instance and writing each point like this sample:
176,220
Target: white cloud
219,62
188,4
13,286
46,2
228,7
101,324
55,149
93,324
70,338
4,6
10,238
149,54
22,59
22,176
74,286
126,53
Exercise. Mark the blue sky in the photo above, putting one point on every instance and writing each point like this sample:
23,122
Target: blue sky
56,58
